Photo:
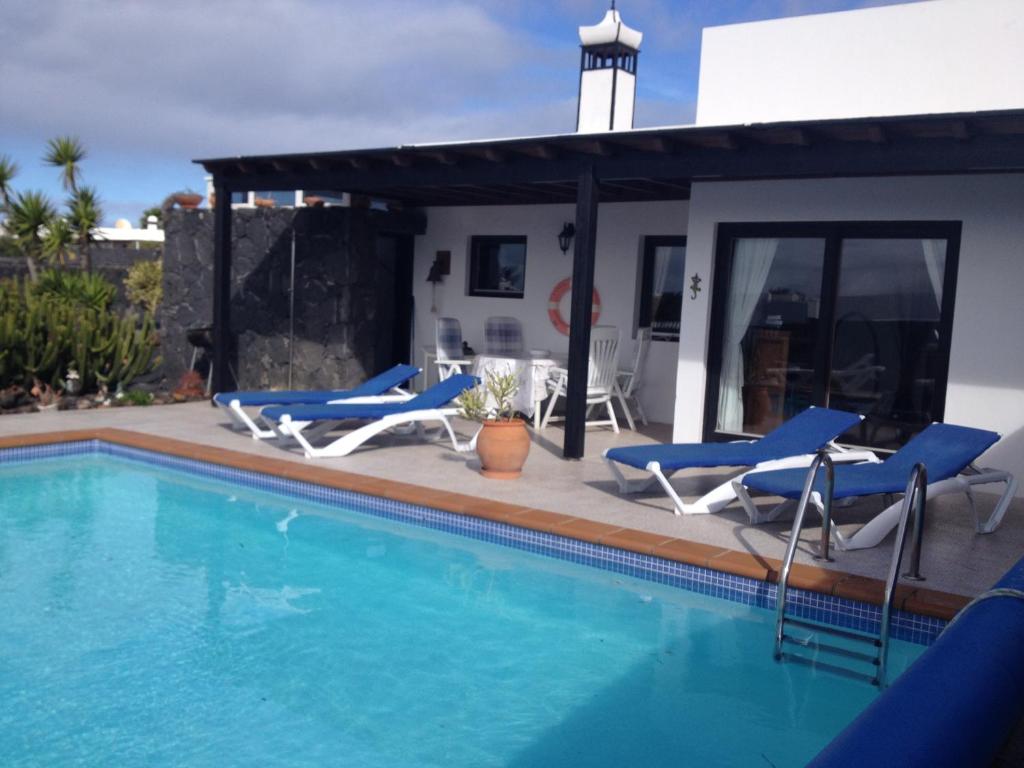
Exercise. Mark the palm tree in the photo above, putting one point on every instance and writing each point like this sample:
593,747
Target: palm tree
28,216
85,213
58,240
8,170
66,153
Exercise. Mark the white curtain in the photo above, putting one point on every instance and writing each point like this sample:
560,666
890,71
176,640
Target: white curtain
751,263
662,261
935,263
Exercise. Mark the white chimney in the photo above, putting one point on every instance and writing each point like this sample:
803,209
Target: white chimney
607,75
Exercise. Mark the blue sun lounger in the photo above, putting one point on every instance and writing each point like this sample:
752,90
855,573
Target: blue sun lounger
946,450
793,444
384,387
307,423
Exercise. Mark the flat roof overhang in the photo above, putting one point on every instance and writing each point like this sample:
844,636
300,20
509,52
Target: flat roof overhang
647,164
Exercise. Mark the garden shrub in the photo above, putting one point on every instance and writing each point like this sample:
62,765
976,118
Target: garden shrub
144,284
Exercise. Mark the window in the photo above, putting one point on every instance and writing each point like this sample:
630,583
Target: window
853,316
661,286
497,266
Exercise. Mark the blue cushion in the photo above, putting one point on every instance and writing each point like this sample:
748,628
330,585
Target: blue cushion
437,396
804,433
944,449
378,385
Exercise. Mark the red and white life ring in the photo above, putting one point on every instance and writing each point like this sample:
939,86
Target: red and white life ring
554,306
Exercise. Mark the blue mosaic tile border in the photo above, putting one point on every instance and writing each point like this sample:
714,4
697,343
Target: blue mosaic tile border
829,609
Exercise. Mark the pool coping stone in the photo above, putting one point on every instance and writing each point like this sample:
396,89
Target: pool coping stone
916,600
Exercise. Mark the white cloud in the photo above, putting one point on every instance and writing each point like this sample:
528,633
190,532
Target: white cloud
197,78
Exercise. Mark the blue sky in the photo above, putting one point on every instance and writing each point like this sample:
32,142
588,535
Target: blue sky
147,85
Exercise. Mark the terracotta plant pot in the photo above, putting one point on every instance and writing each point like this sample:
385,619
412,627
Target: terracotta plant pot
502,447
188,201
263,202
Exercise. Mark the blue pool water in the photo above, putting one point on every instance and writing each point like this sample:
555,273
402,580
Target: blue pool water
153,618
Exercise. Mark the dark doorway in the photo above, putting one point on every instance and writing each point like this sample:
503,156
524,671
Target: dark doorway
853,315
394,341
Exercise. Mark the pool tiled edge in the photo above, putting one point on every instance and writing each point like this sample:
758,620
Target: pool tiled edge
839,598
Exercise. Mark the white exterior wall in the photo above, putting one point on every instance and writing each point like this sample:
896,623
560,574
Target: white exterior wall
938,56
621,226
986,369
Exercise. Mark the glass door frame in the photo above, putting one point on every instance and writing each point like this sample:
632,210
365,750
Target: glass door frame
833,233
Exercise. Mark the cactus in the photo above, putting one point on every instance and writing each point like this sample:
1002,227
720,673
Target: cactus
42,335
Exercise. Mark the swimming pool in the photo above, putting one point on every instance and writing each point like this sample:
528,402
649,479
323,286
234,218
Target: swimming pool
155,616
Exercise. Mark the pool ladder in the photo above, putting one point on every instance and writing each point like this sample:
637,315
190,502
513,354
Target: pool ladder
878,645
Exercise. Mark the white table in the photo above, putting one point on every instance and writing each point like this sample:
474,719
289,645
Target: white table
532,374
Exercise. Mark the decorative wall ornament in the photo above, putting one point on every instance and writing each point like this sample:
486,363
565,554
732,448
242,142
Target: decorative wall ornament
695,282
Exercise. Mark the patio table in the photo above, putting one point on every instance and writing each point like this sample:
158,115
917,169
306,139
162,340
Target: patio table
532,373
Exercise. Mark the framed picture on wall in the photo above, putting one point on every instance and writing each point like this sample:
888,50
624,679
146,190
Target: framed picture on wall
497,266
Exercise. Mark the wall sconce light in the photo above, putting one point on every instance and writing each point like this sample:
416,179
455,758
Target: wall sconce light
566,235
442,266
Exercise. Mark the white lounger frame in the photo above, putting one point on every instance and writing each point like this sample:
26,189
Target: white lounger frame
304,432
243,420
720,497
875,530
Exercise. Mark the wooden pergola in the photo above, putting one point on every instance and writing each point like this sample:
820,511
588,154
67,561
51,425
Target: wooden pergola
626,166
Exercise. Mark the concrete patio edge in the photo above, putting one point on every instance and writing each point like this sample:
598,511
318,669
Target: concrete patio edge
925,602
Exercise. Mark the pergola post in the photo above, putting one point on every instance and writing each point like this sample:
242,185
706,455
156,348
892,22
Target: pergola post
222,288
582,308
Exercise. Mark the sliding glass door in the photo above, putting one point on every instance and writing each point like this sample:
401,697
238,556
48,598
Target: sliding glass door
854,316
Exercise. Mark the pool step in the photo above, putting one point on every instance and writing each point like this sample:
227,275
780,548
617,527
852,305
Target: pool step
913,504
835,669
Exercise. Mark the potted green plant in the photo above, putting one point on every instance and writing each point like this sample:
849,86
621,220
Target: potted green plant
502,442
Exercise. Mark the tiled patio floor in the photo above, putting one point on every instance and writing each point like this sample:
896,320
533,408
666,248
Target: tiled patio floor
955,558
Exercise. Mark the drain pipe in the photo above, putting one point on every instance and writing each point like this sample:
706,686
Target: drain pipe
291,314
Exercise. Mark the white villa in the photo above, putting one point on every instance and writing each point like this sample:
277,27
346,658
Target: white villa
843,225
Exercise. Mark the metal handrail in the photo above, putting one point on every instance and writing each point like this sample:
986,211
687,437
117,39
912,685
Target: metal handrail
914,500
822,458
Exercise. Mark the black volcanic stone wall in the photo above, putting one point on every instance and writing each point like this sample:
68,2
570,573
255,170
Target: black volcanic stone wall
343,295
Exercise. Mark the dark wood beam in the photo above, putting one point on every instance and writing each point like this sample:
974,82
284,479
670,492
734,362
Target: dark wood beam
835,153
359,163
319,164
402,161
876,134
595,147
487,153
582,307
444,158
961,130
281,165
560,191
222,289
635,186
541,151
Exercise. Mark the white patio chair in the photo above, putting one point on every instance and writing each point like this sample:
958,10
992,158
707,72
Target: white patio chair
628,381
450,360
601,386
503,337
